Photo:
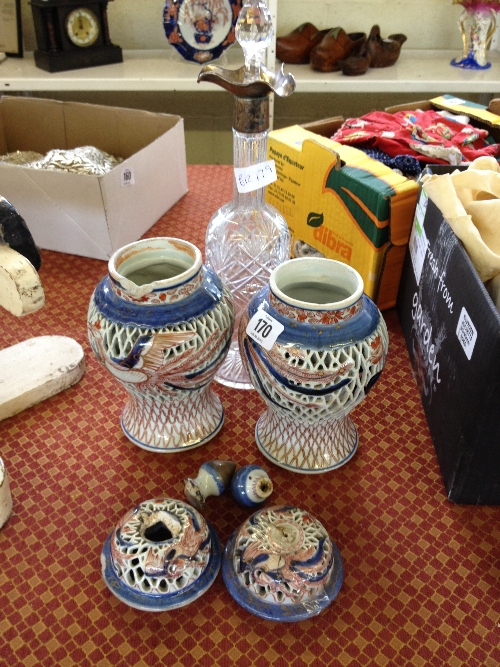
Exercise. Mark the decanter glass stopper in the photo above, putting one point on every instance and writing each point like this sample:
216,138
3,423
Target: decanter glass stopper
254,31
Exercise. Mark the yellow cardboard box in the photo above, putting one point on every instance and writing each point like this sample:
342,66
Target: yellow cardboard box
345,205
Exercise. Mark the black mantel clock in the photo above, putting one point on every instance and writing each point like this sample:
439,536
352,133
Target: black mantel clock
72,34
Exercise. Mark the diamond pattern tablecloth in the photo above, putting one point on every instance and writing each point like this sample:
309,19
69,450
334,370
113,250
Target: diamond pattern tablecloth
422,576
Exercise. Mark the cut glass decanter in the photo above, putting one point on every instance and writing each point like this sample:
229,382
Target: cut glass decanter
247,238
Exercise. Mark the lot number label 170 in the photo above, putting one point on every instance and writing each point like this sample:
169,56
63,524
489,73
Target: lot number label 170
264,329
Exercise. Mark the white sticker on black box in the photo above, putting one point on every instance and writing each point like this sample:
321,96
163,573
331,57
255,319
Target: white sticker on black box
264,329
418,238
255,176
466,333
128,176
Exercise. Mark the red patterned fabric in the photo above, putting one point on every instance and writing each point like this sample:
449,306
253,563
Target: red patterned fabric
411,132
421,575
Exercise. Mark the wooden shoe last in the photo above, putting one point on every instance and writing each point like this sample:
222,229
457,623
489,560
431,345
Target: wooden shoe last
335,46
384,52
295,48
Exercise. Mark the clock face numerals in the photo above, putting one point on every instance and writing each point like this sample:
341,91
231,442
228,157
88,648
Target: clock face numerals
82,27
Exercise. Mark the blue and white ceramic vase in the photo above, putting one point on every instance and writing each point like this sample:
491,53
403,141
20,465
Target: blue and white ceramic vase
282,565
162,555
330,353
161,323
251,486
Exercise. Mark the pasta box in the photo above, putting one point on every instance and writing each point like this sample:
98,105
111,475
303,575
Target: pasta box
344,205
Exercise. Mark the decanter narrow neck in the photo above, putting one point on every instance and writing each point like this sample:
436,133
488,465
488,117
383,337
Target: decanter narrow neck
251,114
249,149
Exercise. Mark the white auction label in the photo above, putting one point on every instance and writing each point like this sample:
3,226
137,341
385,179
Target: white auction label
466,333
418,238
256,176
128,176
264,329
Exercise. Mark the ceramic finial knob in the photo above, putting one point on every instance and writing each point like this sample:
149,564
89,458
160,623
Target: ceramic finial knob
251,486
213,479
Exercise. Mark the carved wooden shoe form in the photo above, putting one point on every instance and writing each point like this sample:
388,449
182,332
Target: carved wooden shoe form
335,46
384,52
355,65
295,48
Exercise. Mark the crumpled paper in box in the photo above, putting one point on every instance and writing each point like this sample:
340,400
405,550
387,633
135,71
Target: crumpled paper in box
470,202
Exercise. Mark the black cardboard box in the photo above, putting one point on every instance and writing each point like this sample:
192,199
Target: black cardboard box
452,331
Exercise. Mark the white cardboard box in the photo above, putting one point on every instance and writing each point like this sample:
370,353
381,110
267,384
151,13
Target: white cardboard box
83,214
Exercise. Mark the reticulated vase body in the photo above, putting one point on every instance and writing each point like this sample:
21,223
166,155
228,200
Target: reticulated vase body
246,239
477,26
330,353
161,323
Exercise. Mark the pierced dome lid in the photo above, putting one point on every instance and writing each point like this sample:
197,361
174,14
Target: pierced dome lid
162,555
282,565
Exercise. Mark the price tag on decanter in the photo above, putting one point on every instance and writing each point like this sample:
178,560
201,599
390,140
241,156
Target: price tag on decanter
264,329
255,176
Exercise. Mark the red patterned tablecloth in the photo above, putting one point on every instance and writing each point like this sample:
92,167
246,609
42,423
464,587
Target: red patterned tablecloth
422,576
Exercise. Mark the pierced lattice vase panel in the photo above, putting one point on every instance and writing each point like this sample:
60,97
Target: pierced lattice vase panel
328,356
161,323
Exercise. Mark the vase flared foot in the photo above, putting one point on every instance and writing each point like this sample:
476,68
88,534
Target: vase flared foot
469,63
303,447
170,426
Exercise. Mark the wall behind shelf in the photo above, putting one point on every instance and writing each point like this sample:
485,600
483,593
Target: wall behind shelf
207,116
428,24
137,24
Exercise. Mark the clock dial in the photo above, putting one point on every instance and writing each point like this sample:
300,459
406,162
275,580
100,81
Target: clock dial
82,27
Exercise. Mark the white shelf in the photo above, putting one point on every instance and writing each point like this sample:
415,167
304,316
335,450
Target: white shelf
164,70
140,70
415,71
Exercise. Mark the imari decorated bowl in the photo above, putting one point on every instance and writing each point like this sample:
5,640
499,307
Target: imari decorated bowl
162,555
282,565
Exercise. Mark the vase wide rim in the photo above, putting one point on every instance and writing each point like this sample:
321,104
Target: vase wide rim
319,270
148,252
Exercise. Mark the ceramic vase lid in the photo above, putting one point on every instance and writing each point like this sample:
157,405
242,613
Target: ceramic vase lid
282,565
162,555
